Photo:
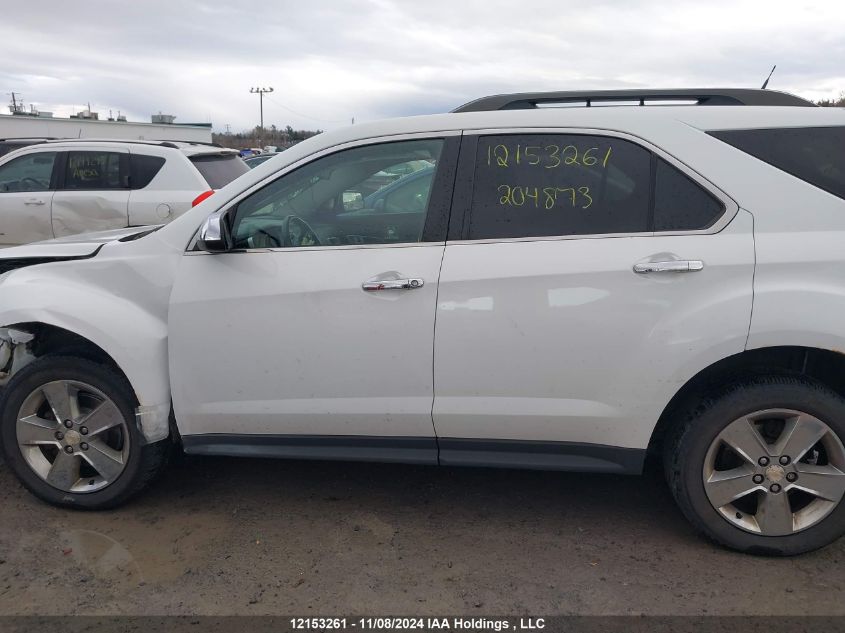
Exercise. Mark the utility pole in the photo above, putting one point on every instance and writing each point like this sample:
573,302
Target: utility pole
261,92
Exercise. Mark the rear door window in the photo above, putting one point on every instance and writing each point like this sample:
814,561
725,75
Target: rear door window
814,154
218,170
532,185
93,170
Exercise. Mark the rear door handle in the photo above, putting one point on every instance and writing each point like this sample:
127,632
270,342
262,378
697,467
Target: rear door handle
673,266
35,201
392,284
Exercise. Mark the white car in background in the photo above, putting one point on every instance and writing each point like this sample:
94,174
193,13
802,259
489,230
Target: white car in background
570,288
59,188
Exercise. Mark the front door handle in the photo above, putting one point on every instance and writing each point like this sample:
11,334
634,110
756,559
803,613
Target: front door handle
36,201
672,266
392,284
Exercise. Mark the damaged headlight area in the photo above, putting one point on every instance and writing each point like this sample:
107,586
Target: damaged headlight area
14,352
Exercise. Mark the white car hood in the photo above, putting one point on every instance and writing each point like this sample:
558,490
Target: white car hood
72,246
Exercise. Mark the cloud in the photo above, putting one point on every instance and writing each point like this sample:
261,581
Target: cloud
367,59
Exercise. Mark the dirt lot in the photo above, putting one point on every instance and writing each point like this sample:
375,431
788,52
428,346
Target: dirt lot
235,536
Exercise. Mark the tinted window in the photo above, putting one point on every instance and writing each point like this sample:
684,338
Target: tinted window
255,161
11,146
335,200
815,155
93,170
28,173
219,171
142,169
410,192
681,204
551,184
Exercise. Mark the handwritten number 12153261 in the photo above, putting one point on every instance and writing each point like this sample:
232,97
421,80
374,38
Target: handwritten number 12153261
549,156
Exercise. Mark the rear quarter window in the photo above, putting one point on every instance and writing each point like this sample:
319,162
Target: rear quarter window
142,169
218,171
814,154
679,203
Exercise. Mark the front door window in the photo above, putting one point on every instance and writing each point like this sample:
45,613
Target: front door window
28,173
378,194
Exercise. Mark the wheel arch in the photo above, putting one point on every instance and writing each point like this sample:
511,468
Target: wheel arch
26,341
823,365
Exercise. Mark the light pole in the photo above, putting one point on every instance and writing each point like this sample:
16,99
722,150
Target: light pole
260,92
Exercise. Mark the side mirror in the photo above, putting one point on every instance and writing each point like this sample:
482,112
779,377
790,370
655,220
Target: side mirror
214,234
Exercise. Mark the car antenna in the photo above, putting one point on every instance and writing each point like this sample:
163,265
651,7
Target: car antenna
766,83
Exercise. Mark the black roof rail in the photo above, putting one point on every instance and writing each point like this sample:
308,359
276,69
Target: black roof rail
212,144
27,138
157,143
727,96
95,139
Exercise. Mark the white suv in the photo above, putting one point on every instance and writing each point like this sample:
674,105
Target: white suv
569,288
60,188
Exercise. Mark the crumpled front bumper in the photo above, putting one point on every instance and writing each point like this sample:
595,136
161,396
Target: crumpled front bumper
14,352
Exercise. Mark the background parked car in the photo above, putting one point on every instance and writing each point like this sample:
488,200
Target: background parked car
408,193
58,188
254,161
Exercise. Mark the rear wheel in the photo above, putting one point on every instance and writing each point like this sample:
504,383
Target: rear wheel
761,467
69,434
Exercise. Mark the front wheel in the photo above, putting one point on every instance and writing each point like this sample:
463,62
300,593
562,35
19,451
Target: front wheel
69,434
760,468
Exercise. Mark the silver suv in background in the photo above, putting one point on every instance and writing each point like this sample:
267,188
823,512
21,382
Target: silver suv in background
64,187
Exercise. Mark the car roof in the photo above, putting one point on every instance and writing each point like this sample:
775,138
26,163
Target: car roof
189,148
621,118
634,96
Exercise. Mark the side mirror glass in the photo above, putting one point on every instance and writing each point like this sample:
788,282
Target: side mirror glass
214,234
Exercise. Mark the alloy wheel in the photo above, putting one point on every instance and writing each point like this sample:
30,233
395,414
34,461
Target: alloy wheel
73,436
775,472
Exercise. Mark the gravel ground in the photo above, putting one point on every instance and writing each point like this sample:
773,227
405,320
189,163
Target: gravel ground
236,536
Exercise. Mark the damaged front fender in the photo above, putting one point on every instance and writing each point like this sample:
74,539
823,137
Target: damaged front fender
15,353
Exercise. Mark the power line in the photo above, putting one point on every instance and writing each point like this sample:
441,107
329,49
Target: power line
306,116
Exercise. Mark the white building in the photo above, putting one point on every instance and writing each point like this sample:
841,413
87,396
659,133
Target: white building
24,126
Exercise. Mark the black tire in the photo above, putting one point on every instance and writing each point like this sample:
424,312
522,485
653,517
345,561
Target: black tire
691,437
143,464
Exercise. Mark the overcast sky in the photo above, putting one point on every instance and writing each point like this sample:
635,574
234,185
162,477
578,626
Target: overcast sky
369,59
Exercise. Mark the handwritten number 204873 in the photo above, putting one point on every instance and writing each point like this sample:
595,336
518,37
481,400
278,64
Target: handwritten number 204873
547,197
